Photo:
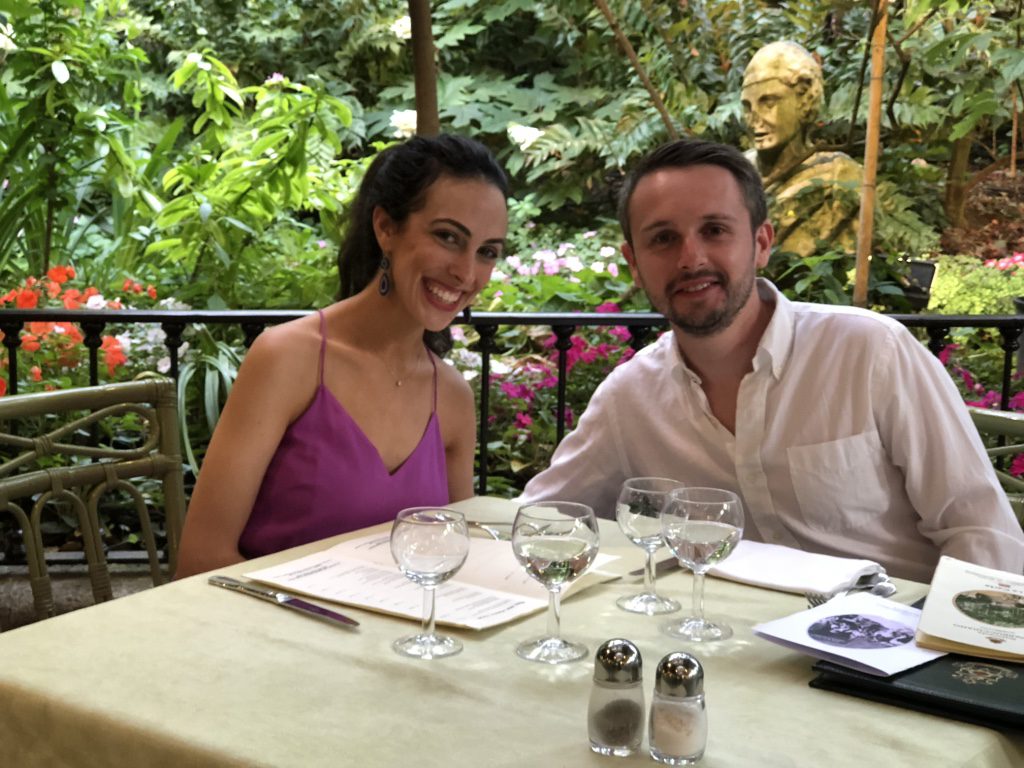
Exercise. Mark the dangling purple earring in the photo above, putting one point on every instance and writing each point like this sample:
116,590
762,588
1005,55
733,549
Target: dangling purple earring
384,286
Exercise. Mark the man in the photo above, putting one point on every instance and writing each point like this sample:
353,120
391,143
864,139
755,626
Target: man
815,195
841,433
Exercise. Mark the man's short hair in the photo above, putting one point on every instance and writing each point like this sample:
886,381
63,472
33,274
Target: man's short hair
685,153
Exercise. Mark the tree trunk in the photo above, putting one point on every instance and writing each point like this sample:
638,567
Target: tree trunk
424,71
956,182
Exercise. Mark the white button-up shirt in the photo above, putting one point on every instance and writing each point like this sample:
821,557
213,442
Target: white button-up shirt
850,440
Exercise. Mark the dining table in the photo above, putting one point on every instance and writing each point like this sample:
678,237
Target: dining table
186,674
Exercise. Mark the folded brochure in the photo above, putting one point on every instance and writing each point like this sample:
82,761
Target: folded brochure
491,588
861,631
975,611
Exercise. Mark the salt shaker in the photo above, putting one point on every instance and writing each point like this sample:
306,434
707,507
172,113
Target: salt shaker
679,720
615,717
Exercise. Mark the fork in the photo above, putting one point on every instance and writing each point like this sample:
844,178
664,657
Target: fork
882,587
492,530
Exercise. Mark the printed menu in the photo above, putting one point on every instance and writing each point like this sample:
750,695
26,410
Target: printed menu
861,631
974,611
490,589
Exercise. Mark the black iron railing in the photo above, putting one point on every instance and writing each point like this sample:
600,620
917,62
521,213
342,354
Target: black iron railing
563,325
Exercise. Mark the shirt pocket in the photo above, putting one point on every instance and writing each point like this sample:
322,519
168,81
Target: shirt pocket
843,485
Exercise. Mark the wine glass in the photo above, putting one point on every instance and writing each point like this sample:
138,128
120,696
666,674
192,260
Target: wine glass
702,527
429,544
638,512
555,541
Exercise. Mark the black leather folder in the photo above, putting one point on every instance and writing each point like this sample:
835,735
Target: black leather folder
979,691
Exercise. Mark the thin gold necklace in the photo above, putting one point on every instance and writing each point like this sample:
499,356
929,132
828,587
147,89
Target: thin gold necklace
399,380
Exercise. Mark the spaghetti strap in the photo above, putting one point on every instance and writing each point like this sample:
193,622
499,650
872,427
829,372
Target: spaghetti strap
434,365
323,347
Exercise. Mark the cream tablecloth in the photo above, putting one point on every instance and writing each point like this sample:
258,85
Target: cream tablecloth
190,675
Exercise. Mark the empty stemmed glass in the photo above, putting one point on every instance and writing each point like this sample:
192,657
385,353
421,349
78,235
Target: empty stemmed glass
556,541
429,545
638,511
701,526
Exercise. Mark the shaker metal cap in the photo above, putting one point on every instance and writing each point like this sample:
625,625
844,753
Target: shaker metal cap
679,674
617,661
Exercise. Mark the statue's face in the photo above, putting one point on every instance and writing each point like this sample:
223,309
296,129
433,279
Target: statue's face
772,111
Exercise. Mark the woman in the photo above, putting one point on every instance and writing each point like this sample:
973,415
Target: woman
342,418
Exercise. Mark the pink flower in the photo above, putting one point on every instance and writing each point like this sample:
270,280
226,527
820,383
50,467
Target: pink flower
989,400
621,333
523,420
1017,465
613,269
516,391
608,306
946,352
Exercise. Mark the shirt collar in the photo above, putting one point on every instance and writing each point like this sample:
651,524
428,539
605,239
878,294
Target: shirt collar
777,340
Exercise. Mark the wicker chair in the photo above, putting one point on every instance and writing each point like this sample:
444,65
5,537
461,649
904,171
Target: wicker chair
1003,432
65,465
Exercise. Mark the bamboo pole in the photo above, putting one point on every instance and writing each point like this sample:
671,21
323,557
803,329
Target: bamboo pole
630,52
1014,126
424,73
865,229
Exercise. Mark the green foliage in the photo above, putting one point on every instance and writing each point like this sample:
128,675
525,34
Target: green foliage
69,102
214,364
238,188
964,286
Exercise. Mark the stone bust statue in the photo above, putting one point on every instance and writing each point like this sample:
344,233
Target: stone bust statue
814,196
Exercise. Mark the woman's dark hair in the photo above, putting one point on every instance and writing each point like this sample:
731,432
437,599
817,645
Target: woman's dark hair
397,181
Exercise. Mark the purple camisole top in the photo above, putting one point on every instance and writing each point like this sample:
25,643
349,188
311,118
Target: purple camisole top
326,477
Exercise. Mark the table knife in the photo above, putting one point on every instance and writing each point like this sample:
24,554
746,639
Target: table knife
283,599
660,567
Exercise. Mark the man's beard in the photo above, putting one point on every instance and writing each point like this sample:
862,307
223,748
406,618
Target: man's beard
708,322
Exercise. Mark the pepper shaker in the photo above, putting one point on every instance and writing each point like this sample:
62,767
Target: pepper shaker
679,721
615,716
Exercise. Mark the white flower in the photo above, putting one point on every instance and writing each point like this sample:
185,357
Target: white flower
498,275
401,28
919,162
597,267
606,252
523,135
404,123
573,263
7,38
96,301
125,341
60,71
163,365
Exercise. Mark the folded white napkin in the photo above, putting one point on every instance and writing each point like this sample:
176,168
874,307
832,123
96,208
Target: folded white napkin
790,570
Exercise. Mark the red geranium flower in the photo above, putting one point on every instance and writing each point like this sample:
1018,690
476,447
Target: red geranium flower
72,299
27,299
36,372
60,274
113,353
29,343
